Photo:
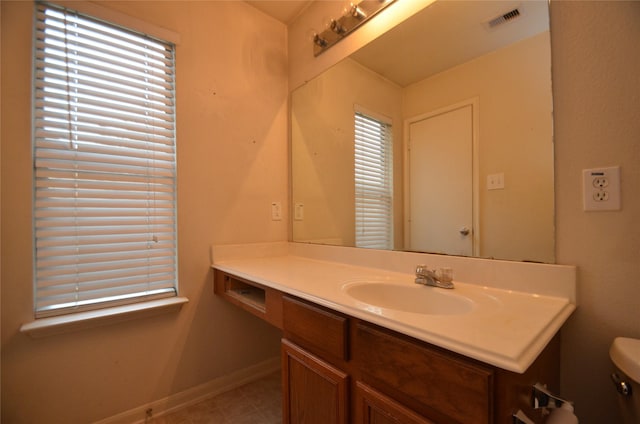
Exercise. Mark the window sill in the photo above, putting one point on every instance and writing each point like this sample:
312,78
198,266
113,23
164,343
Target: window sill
83,320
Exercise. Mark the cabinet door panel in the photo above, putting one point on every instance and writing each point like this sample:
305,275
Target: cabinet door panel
372,407
437,385
314,392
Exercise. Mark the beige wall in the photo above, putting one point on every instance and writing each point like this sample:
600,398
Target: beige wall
322,121
232,162
596,89
513,88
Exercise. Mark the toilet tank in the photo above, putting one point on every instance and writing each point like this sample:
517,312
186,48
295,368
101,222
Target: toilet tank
625,355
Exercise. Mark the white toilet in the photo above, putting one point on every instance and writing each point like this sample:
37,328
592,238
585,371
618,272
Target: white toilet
625,355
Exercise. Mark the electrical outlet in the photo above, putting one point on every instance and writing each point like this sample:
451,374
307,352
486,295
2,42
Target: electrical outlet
601,196
600,182
601,189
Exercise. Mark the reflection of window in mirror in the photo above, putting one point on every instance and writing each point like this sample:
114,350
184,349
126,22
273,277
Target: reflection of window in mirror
373,182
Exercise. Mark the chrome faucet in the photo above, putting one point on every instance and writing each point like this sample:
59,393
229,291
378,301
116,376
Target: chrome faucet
442,277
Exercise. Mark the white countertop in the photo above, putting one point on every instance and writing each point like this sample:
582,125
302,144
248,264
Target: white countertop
505,328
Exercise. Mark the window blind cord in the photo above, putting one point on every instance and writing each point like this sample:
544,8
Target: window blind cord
151,165
72,129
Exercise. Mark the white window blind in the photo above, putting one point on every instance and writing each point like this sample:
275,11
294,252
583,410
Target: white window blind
374,182
104,164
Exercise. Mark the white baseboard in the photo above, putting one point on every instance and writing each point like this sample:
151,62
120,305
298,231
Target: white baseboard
195,394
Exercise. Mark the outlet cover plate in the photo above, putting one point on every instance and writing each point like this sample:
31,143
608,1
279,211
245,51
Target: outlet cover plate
601,189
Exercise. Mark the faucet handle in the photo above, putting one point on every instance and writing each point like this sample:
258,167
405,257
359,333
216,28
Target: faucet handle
421,269
444,274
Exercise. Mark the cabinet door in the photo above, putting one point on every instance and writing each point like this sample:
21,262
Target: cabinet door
433,382
372,407
314,392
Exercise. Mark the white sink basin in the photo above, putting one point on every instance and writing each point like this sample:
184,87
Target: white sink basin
415,298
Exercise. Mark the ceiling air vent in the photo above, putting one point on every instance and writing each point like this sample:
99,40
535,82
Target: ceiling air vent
504,18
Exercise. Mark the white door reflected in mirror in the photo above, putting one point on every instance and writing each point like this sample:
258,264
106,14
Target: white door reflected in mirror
441,181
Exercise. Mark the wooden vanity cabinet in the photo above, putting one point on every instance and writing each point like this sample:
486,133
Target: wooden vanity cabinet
320,375
337,369
314,357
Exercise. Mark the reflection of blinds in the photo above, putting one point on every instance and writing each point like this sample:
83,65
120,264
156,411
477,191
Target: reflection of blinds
104,153
374,183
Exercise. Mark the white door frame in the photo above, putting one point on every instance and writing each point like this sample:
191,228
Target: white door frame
475,140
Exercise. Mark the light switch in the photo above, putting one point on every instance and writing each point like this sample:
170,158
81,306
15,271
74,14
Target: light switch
495,181
298,212
276,211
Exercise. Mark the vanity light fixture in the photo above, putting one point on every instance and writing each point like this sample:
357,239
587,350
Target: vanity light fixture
356,14
337,27
319,41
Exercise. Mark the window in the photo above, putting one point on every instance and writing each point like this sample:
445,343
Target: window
374,182
104,164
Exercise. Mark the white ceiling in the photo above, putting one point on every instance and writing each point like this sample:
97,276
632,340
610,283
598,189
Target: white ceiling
449,33
283,10
445,34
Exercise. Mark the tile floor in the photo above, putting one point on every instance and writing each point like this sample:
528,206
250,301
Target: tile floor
259,402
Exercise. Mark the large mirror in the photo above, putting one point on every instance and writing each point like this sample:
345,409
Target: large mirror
435,137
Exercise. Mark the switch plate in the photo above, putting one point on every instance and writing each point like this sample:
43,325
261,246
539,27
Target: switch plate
298,214
601,189
495,181
276,211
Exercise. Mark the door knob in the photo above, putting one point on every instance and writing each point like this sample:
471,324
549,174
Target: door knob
464,231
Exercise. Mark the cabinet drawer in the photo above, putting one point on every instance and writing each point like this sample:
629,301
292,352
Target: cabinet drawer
440,386
315,328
